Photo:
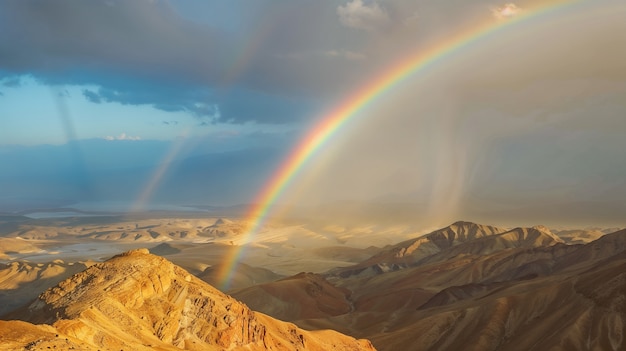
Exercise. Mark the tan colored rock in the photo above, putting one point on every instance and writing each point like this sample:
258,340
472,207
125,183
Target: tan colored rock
138,301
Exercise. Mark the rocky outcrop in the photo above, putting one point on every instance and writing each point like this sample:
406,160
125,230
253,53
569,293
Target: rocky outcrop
138,301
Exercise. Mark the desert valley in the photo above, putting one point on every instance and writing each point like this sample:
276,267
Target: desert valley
151,282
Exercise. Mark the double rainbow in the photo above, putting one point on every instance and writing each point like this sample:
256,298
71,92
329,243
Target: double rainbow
358,101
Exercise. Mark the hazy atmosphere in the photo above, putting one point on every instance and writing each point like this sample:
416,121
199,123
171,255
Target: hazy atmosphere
149,103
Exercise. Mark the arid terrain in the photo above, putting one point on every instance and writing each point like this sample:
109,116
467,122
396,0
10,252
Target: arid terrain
151,282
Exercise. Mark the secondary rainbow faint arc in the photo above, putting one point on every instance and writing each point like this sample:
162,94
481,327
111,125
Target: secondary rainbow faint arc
333,121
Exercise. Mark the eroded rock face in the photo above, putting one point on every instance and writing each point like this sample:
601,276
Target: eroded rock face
140,301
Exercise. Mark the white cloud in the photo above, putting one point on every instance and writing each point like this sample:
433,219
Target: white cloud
357,14
122,136
328,54
344,54
506,11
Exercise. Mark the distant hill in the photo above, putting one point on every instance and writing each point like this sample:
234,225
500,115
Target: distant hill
411,251
302,296
242,276
21,282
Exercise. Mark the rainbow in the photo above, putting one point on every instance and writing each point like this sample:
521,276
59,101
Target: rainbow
332,122
154,182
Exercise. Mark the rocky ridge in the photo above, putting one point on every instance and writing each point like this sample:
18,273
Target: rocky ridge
138,301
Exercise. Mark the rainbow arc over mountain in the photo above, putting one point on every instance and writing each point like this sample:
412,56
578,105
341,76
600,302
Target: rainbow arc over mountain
358,101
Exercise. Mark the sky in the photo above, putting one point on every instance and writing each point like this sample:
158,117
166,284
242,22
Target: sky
199,102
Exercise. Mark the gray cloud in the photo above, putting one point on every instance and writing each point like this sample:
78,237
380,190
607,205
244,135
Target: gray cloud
162,54
360,15
151,49
92,96
185,59
12,82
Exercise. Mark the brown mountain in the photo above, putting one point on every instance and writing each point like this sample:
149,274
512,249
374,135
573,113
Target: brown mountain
522,289
242,277
303,296
580,236
486,245
519,289
581,309
409,252
460,238
439,240
138,301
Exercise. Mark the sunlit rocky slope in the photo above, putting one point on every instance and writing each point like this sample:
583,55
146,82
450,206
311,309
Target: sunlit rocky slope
138,301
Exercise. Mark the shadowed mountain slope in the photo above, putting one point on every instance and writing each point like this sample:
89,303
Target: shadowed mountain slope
303,296
410,252
243,276
512,239
522,289
583,311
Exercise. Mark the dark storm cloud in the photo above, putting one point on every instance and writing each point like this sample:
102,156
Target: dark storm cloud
139,52
126,48
138,36
158,53
91,96
145,52
170,98
12,82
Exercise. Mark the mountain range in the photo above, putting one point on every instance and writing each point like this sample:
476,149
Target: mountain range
469,287
465,286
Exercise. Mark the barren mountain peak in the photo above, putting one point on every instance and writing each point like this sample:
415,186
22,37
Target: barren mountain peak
542,228
137,301
136,252
464,224
535,233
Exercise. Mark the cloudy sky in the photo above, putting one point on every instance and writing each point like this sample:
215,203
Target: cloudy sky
197,101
